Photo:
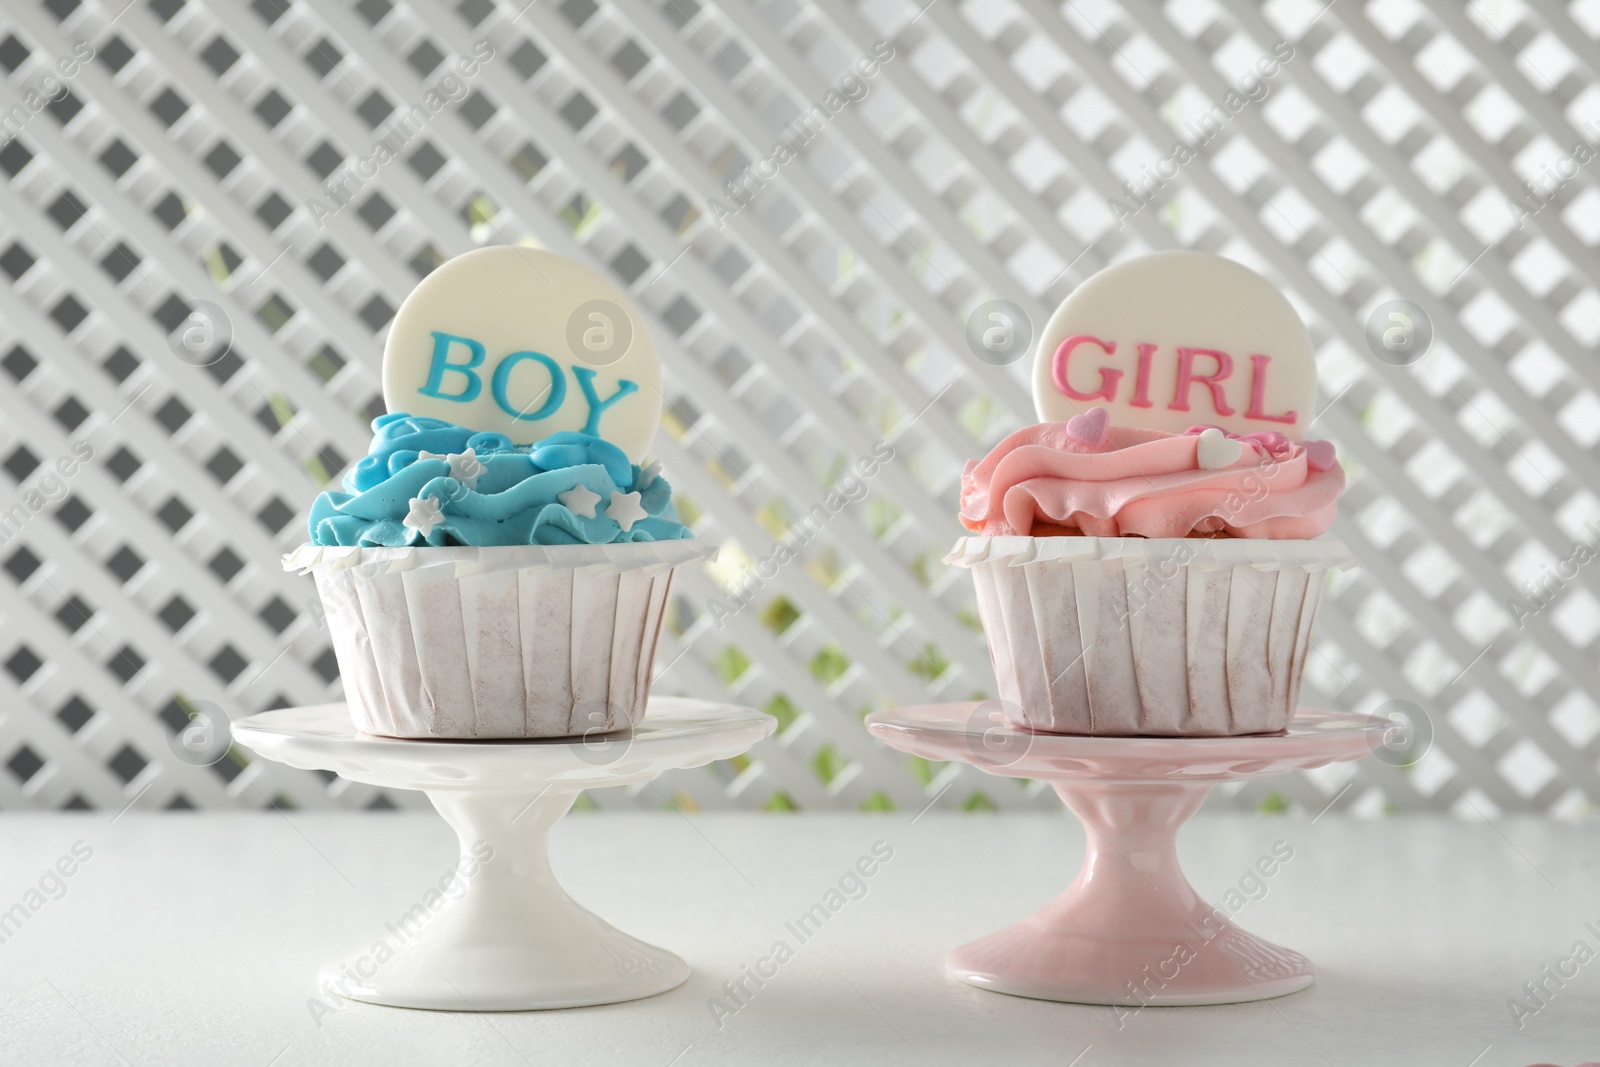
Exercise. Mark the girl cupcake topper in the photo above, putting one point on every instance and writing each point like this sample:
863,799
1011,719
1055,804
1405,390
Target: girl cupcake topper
525,343
1173,340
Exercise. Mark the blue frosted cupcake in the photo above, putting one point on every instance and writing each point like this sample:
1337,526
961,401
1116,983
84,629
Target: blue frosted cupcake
477,588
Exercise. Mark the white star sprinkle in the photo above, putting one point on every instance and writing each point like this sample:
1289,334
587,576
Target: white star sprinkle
424,515
466,468
580,500
625,510
647,476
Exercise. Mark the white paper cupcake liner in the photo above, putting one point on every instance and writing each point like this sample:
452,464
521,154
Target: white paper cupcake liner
503,642
1183,637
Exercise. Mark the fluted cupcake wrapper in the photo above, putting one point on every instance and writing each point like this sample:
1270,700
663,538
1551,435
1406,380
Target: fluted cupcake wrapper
524,641
1169,637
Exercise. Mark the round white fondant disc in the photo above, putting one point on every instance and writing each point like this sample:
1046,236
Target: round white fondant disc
1173,300
556,324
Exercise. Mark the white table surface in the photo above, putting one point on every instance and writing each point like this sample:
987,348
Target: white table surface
196,939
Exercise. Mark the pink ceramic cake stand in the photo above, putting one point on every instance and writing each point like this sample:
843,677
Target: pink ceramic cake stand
1130,930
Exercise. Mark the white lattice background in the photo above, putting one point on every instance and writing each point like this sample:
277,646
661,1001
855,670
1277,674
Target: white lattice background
189,161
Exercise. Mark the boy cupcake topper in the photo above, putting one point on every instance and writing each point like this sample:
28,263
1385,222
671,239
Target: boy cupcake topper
1174,340
527,344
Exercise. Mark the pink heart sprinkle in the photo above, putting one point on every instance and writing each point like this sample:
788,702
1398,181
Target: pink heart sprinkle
1319,455
1090,428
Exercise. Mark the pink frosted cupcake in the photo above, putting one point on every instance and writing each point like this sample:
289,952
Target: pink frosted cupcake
1143,580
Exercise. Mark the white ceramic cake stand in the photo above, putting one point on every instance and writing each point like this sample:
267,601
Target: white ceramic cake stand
513,940
1113,937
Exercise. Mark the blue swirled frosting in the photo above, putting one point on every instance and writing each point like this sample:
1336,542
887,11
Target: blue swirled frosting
502,494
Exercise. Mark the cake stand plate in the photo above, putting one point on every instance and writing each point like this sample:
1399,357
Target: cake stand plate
1130,930
512,940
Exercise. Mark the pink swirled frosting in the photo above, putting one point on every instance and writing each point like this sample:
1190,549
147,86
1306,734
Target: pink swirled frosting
1053,478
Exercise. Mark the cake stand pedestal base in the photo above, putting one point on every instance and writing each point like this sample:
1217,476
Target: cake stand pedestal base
507,936
1130,930
513,940
1131,914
